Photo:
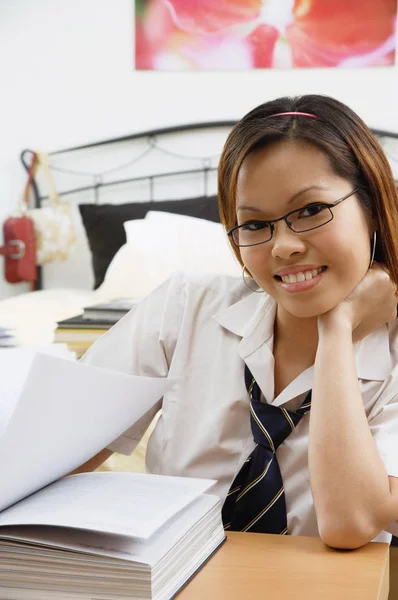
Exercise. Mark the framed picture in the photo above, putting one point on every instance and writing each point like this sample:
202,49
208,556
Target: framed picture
178,35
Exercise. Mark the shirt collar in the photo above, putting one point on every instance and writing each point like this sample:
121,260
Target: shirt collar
373,357
252,319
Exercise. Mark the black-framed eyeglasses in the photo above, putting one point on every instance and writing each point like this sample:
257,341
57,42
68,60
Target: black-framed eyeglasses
309,217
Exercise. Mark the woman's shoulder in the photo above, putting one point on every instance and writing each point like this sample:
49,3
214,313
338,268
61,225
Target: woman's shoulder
186,296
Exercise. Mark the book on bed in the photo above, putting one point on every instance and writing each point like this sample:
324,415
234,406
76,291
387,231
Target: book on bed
79,333
112,310
92,535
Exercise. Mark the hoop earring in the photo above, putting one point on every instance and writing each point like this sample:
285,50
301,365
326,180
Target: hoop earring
373,250
247,285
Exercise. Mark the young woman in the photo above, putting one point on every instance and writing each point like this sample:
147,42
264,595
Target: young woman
288,392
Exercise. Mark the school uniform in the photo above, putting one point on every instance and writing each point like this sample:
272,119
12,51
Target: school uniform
203,330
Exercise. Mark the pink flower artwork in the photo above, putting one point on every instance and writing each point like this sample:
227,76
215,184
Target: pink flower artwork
178,35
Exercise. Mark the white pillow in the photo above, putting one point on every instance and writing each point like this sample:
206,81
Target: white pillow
181,243
161,244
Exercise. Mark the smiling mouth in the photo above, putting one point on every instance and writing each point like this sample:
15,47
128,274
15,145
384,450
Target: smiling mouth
300,276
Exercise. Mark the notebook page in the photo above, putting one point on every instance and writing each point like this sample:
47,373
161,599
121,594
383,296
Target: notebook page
120,547
15,364
67,412
130,504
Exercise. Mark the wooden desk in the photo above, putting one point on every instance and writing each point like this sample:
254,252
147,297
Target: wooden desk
252,566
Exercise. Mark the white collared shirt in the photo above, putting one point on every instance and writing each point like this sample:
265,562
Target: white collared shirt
202,330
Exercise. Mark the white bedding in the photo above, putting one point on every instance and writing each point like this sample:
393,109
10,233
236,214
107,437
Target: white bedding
34,315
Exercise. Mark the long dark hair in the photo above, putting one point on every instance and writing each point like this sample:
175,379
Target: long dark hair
353,151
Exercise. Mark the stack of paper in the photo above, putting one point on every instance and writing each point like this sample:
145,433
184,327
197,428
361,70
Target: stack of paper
108,535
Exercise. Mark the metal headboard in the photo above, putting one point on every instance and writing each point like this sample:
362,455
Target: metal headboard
151,135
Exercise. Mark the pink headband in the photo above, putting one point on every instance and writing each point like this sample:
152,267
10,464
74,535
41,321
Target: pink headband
295,114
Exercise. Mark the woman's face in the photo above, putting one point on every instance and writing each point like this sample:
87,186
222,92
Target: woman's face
289,175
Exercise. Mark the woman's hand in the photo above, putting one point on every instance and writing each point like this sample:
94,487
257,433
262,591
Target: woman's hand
369,306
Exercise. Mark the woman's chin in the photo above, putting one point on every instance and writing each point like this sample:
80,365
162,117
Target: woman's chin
310,310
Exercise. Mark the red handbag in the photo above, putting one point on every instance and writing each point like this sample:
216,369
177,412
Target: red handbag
19,247
19,250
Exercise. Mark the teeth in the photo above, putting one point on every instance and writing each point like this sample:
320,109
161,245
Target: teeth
302,276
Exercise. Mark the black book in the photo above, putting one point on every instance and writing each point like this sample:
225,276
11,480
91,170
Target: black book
81,322
112,310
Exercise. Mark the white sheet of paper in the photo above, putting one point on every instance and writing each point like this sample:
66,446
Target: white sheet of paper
14,368
66,413
129,504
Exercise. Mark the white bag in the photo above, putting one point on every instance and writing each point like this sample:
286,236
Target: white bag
54,230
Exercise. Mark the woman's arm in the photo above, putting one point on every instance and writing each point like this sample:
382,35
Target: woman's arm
352,494
349,483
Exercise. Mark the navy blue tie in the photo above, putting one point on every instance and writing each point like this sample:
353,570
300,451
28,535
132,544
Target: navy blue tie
256,499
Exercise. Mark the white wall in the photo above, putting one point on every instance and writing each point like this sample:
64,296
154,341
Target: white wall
66,73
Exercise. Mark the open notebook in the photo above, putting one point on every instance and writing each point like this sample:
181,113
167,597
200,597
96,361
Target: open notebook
94,535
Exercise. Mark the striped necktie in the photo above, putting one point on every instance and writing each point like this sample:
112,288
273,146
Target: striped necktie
256,499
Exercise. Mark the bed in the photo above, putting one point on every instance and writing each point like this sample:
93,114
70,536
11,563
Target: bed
150,176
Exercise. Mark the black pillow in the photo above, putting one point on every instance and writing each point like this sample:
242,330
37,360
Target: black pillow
104,224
